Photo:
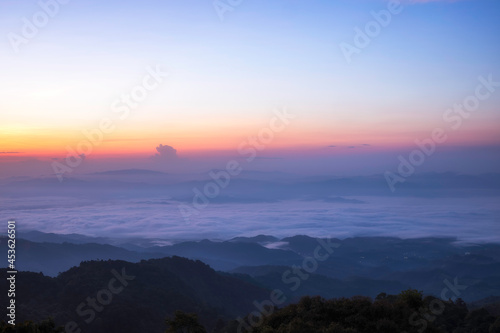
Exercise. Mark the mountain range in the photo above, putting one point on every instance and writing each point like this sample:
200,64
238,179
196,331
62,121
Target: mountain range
362,265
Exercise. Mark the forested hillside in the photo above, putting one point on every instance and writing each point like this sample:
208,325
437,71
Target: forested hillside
181,295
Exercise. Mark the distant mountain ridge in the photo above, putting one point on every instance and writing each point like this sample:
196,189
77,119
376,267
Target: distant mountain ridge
367,265
130,172
253,186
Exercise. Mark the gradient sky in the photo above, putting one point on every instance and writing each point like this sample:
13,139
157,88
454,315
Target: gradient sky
227,76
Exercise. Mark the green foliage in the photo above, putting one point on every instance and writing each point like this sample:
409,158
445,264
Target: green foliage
160,287
412,297
184,323
407,312
495,327
46,326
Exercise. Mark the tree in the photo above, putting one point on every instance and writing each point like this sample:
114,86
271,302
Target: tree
495,327
184,323
412,297
46,326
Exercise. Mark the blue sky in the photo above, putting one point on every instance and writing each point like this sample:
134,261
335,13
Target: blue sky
226,75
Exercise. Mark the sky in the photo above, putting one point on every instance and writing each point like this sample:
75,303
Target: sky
186,85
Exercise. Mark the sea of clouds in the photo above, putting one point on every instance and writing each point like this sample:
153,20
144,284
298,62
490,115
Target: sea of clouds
475,219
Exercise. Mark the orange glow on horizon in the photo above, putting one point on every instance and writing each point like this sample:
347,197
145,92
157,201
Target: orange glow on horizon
52,142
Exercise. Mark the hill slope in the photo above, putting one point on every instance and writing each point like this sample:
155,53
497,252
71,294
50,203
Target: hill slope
118,296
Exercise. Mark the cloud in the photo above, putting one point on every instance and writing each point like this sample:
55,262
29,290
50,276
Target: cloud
125,218
332,146
10,152
166,153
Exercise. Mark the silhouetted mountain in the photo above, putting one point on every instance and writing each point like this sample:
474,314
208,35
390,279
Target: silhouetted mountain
127,172
132,297
255,186
256,239
52,258
42,237
362,265
271,277
229,254
333,199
